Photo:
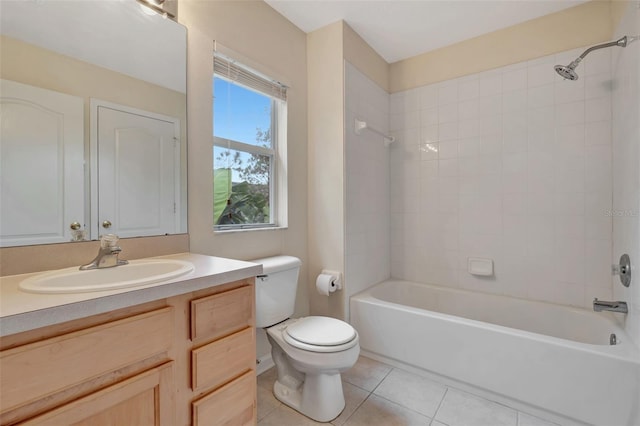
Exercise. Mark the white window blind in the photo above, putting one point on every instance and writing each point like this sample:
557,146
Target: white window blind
229,69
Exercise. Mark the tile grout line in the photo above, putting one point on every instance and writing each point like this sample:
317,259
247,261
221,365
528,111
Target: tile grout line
356,410
368,396
440,405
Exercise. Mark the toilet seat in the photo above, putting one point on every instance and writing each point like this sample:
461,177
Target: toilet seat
320,334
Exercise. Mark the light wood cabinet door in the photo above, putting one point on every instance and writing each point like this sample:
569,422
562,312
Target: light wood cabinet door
143,400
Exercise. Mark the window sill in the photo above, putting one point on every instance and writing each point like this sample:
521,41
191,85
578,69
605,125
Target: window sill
233,231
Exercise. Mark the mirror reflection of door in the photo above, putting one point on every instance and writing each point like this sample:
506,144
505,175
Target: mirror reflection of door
138,172
41,171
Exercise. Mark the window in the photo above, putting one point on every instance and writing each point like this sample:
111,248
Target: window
249,135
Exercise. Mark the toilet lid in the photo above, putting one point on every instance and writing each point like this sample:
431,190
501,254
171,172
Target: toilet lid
321,331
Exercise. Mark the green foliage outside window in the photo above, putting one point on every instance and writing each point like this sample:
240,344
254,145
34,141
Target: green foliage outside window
246,201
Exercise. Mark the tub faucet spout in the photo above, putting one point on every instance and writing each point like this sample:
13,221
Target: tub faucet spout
602,305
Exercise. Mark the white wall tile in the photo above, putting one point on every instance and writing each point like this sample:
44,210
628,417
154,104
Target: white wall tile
469,109
448,113
490,105
598,133
598,109
540,96
447,131
429,116
428,96
469,89
567,91
468,128
520,172
540,74
514,101
490,84
514,79
570,113
369,199
598,85
448,93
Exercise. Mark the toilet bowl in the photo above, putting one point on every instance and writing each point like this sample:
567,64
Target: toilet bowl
309,353
309,379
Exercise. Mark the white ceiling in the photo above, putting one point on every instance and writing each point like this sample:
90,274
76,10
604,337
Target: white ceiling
399,29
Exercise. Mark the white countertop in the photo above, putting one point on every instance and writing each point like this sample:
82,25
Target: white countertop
21,311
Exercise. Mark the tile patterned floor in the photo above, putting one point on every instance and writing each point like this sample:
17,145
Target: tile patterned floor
378,394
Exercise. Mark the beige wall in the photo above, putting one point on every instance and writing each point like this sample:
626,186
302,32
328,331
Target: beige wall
589,23
364,58
272,45
326,161
276,47
327,49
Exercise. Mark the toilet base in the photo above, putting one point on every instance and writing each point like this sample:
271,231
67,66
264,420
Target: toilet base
319,397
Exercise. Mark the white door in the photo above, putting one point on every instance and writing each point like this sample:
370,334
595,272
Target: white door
41,164
138,172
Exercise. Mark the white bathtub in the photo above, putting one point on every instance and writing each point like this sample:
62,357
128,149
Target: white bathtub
552,358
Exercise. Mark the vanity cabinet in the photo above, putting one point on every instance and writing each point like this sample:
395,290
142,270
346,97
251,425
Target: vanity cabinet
188,359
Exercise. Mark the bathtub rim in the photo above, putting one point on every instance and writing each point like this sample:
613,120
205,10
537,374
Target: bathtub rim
626,350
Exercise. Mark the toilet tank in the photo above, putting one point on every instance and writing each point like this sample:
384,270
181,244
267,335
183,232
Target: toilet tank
276,289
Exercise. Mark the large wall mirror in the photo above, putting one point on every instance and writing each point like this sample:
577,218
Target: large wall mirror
93,121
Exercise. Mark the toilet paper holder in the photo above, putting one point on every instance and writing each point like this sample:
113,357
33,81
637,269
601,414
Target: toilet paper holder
337,282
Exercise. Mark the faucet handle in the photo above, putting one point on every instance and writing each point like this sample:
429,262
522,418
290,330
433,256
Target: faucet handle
108,240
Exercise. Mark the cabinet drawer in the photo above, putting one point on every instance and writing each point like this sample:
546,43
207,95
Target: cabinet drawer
221,314
222,360
40,369
232,404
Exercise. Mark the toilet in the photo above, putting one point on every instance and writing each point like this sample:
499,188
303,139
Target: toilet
311,352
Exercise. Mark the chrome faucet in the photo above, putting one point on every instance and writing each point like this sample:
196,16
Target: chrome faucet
107,254
601,305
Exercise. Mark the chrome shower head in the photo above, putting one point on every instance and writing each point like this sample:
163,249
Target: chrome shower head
566,71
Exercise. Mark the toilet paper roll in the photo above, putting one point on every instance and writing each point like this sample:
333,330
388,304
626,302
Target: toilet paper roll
325,284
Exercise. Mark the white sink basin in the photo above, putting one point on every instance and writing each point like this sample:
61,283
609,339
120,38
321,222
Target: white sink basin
136,273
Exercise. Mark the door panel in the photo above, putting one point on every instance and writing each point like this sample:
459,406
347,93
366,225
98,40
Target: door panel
42,160
138,173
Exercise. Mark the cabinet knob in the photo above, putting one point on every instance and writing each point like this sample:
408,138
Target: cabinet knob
106,224
75,226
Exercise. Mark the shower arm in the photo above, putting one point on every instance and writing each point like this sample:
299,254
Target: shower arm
622,42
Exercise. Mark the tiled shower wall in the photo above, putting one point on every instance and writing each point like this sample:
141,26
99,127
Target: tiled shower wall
367,184
515,165
626,162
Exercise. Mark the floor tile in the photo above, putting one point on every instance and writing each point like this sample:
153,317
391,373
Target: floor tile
353,397
463,409
412,391
367,373
528,420
379,411
267,402
268,378
285,416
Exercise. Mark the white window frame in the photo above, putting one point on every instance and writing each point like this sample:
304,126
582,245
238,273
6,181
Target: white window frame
277,155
